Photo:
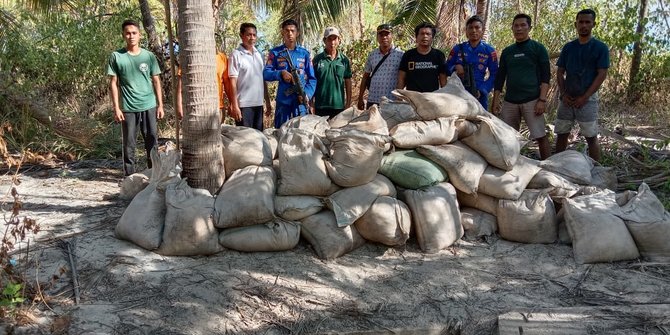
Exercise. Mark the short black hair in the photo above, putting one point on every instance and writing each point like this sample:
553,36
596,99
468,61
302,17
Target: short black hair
129,23
474,18
524,16
290,22
245,25
587,11
424,25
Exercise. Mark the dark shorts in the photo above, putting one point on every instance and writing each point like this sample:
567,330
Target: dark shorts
329,112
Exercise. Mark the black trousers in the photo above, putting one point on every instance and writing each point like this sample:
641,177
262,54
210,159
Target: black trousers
252,117
329,112
145,122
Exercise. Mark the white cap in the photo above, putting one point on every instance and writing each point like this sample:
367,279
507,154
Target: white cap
331,31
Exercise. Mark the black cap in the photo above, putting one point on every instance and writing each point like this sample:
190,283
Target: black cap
384,27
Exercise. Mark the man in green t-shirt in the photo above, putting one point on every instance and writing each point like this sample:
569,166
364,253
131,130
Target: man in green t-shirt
135,71
332,70
524,65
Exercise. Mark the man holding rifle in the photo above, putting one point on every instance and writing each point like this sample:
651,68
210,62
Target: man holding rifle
291,65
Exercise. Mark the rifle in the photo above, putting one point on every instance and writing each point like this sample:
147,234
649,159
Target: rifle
297,84
468,79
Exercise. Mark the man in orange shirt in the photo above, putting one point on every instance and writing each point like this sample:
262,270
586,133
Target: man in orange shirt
223,84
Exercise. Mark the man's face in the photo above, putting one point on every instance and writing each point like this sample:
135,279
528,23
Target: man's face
584,24
131,34
385,39
249,37
425,37
331,42
290,34
521,29
474,31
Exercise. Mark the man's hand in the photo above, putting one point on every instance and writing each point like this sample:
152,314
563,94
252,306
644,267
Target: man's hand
460,71
236,113
360,104
580,101
160,112
568,100
118,115
286,76
540,107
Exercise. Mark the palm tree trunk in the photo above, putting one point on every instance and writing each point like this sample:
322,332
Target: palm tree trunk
637,53
150,28
536,13
482,10
202,158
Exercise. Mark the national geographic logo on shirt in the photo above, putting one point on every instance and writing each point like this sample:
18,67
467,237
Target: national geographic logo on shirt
421,65
144,67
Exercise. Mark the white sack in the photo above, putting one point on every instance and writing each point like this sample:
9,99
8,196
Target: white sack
433,105
272,135
415,133
189,224
328,240
388,222
133,184
531,219
395,112
571,165
463,165
477,223
435,215
649,223
244,146
479,201
301,164
311,123
297,207
508,184
276,235
355,156
556,186
496,142
247,198
349,204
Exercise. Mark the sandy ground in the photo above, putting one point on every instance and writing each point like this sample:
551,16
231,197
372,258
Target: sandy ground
373,290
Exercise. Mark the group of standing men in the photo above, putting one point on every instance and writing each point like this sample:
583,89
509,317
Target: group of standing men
323,85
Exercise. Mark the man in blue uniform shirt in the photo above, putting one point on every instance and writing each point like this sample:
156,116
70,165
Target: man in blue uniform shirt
277,69
479,55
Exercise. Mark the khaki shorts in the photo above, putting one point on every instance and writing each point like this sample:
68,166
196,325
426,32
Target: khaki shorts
586,117
512,113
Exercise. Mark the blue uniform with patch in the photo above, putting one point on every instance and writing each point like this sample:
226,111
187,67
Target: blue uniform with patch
481,57
287,100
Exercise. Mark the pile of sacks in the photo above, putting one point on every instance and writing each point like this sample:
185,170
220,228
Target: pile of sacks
436,166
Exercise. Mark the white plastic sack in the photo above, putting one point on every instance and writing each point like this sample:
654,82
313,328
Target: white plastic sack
344,117
297,207
477,223
388,222
370,121
496,142
133,184
355,156
276,235
311,123
571,165
415,133
455,86
349,204
433,105
301,165
328,240
189,224
649,223
244,146
395,112
556,186
508,184
271,134
530,219
463,165
435,216
247,198
479,201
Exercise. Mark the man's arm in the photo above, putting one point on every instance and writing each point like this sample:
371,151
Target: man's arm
180,108
235,111
347,92
159,96
114,90
560,81
310,78
401,79
595,85
361,91
268,102
443,79
492,66
541,104
270,72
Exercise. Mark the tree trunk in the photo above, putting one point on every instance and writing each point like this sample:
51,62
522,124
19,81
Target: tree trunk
202,158
150,28
482,10
361,21
536,13
633,80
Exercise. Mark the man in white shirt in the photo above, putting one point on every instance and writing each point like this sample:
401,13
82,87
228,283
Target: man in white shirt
245,69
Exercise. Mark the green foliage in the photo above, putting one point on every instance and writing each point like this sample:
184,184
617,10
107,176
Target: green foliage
11,295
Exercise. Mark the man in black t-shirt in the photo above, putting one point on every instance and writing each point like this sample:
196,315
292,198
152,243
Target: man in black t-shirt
422,68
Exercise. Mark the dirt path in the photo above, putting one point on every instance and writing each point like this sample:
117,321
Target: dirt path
127,290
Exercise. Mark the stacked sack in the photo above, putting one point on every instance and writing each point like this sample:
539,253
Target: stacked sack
435,165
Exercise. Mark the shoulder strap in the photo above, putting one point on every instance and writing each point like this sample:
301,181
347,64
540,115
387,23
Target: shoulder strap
380,63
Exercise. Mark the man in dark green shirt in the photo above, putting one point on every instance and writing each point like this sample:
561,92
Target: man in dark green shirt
332,70
134,72
524,65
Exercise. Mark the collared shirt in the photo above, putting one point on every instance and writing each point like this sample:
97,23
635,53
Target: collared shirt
330,75
385,79
482,58
277,62
247,66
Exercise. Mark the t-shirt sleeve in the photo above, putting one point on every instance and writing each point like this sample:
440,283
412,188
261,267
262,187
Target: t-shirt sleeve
347,68
155,69
545,67
502,73
561,57
403,62
441,60
603,61
368,64
234,65
111,66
